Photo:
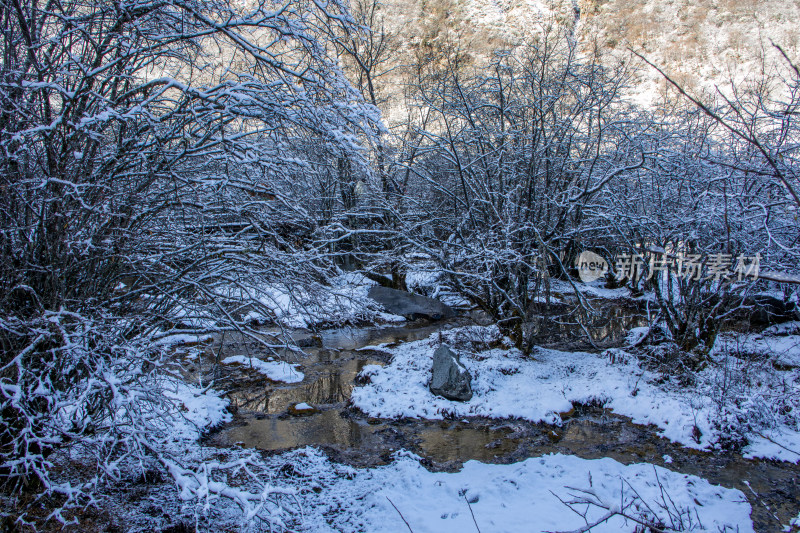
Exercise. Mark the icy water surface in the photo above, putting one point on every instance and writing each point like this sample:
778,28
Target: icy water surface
263,422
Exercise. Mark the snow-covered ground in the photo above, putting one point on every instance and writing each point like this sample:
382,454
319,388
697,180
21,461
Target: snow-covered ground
177,339
310,493
200,410
274,370
342,300
596,289
519,497
318,495
345,301
321,496
507,385
780,343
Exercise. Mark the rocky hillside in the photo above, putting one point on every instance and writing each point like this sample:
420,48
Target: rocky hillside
702,43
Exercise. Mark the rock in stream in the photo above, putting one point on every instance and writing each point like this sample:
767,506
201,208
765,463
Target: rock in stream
410,305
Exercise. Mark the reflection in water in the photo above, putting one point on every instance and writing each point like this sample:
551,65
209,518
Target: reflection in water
355,338
457,443
327,428
606,330
460,443
325,384
330,374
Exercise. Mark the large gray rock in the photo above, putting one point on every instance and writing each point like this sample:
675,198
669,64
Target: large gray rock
448,377
409,305
768,310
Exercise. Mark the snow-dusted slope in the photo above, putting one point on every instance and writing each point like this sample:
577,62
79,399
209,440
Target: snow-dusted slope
702,44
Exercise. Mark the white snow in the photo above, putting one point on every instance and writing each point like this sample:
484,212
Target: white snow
344,301
302,406
519,497
784,349
596,289
782,445
389,318
635,335
787,328
181,338
274,370
377,347
201,410
507,385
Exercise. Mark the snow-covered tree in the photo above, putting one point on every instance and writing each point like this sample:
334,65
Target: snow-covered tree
512,155
150,154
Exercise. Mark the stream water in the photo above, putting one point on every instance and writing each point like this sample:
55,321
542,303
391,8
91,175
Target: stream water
331,368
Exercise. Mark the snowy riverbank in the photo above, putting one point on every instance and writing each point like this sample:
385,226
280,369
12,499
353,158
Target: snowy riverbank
507,385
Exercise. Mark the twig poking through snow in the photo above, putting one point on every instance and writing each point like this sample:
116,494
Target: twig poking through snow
473,514
401,515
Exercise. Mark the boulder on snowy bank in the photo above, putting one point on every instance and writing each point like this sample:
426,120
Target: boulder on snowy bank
409,305
449,378
768,310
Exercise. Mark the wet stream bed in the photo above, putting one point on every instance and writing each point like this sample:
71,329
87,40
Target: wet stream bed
331,367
